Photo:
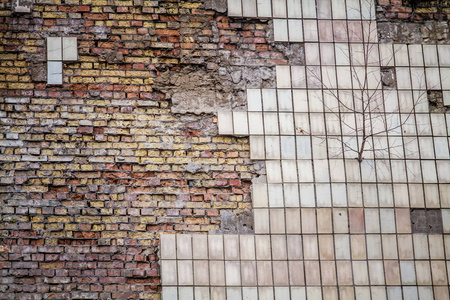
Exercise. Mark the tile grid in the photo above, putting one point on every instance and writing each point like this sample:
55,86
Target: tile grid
391,223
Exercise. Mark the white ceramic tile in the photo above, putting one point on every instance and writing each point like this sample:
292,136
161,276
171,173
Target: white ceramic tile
401,55
311,33
283,77
261,220
339,9
315,101
312,54
429,171
418,78
279,8
291,195
54,72
168,248
313,74
298,75
234,293
303,147
319,147
264,8
254,100
374,246
446,220
368,11
272,147
305,167
307,195
201,272
376,272
321,170
403,78
234,8
415,55
295,31
323,194
277,221
247,247
215,245
342,246
420,246
280,30
184,246
288,148
271,124
378,292
273,171
430,55
255,121
169,272
310,247
240,123
248,271
386,54
218,293
169,293
231,243
54,48
293,221
294,9
394,292
443,171
360,273
263,247
259,195
284,100
301,123
232,273
370,195
445,78
250,293
249,8
279,250
446,96
329,80
275,192
200,246
444,55
289,170
70,48
339,193
264,271
225,122
201,293
287,124
317,124
217,273
282,293
309,9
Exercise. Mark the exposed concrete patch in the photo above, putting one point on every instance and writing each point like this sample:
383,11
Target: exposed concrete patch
436,102
388,77
195,89
294,52
428,32
114,57
426,221
232,223
37,67
217,5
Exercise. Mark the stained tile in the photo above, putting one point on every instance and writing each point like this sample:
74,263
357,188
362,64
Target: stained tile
294,247
312,273
405,247
310,247
280,273
394,292
185,272
54,72
231,243
201,272
358,247
287,124
293,225
259,195
247,247
169,272
277,221
325,30
249,8
217,273
218,293
328,269
201,293
389,242
273,168
233,273
271,124
420,243
378,292
69,49
168,248
264,273
402,216
298,75
279,250
376,272
423,272
344,273
324,221
441,293
439,272
54,48
215,245
263,247
356,220
374,246
430,55
200,246
372,220
184,246
342,246
261,219
326,247
308,218
360,272
392,272
248,271
272,144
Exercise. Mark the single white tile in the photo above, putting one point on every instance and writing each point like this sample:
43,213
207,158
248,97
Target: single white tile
312,54
311,33
264,8
269,97
248,273
342,54
420,246
279,8
215,245
168,248
54,72
327,54
250,293
319,147
415,55
368,11
295,30
218,293
394,292
309,9
289,170
231,242
441,148
247,247
169,293
201,293
277,221
401,55
418,78
329,80
307,195
225,122
266,293
201,272
362,293
324,9
283,77
271,124
234,293
443,171
294,9
288,147
429,171
255,122
293,221
217,274
254,100
425,292
54,48
284,100
187,292
184,246
279,250
445,78
342,246
257,148
200,246
232,273
287,124
313,75
370,195
298,79
444,55
401,195
374,246
234,8
272,147
323,194
360,273
291,195
263,251
433,79
353,10
259,195
376,272
446,96
372,220
378,292
446,220
339,9
317,124
249,8
280,30
70,49
261,220
240,122
430,55
339,193
275,192
282,293
169,272
303,147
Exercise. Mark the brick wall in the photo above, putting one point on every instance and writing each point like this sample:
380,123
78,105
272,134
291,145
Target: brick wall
414,9
92,171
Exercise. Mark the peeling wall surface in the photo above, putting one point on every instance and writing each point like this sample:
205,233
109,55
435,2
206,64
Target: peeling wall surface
224,149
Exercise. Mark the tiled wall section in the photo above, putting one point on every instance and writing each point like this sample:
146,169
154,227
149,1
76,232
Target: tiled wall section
327,225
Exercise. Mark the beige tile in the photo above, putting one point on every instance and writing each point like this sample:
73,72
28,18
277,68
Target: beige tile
328,269
308,220
340,220
436,246
200,246
217,273
280,273
447,246
215,245
231,243
294,247
265,293
402,216
248,271
296,273
439,272
185,272
372,220
184,246
392,272
441,293
340,31
344,272
378,292
277,221
169,272
389,246
326,247
423,272
358,246
259,195
279,251
264,273
405,246
325,31
312,273
263,247
247,247
346,293
310,248
218,293
324,221
420,242
168,248
356,220
342,246
376,272
373,242
233,273
360,272
293,225
261,220
330,293
201,272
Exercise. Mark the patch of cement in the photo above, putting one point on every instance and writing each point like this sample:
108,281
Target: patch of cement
232,223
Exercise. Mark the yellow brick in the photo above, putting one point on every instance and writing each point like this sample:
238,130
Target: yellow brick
51,15
59,219
35,189
88,219
109,234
